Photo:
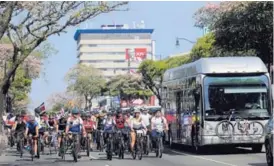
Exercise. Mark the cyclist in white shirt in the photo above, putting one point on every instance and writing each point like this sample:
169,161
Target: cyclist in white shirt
146,117
158,125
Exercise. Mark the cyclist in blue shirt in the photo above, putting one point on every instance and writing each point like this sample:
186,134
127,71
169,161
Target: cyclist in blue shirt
32,128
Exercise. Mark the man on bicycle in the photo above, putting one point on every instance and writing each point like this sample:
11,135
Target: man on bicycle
158,125
32,128
75,125
19,128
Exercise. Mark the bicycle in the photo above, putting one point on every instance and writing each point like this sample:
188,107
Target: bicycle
86,144
20,142
138,146
74,143
63,146
51,140
30,140
147,144
109,148
121,144
101,140
159,144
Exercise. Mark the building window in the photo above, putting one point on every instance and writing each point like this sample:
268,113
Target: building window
114,71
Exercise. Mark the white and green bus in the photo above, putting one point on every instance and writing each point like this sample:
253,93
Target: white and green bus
218,101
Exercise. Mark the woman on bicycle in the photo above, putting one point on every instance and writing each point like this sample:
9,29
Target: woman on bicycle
136,124
89,126
158,125
109,125
62,123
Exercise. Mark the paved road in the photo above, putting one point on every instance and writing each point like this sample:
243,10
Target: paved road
234,157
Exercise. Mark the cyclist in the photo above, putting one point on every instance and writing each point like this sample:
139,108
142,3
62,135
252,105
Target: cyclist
120,124
100,126
19,127
62,123
75,125
53,123
32,128
158,125
43,126
136,124
109,124
89,126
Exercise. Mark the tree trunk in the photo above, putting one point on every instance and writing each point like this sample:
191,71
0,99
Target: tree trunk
5,17
86,101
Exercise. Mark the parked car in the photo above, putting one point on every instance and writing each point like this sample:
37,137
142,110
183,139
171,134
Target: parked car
269,142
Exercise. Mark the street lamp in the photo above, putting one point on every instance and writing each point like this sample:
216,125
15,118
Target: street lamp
178,42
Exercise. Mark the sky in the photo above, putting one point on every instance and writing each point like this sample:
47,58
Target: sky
168,19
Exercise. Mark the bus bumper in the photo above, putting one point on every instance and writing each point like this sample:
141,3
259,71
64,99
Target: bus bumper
237,140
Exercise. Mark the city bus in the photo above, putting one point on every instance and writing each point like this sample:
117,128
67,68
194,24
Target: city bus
218,101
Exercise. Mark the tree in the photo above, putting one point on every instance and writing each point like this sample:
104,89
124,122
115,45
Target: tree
152,75
60,100
247,26
152,72
85,81
38,21
240,28
128,87
203,47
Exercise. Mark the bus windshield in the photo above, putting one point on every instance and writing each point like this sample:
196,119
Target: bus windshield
244,97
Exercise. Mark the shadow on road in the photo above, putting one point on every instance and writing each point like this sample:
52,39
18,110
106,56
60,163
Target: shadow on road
257,164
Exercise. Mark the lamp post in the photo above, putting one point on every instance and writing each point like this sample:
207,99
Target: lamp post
129,57
181,38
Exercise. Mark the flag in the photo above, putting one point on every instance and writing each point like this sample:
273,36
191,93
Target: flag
40,109
62,111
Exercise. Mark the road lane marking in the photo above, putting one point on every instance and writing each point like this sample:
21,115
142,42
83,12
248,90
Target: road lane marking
93,158
203,158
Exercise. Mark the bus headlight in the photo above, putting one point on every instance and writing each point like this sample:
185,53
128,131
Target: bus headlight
208,129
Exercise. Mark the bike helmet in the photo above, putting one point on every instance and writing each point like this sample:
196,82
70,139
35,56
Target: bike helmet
31,118
137,110
75,111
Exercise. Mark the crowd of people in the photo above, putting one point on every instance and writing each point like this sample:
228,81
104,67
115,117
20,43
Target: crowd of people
87,124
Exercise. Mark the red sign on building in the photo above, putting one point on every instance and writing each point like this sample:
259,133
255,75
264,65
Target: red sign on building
140,53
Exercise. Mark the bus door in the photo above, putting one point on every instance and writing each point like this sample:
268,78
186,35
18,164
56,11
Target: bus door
178,113
197,113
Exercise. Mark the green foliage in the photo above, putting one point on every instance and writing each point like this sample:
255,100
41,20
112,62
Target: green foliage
242,28
203,47
247,26
128,87
153,71
20,88
85,81
177,61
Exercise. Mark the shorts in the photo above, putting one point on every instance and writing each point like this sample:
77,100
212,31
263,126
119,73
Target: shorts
33,133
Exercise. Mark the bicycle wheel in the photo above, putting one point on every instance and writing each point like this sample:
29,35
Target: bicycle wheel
39,147
88,146
140,149
101,143
74,152
21,145
224,130
160,148
62,149
31,149
157,148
